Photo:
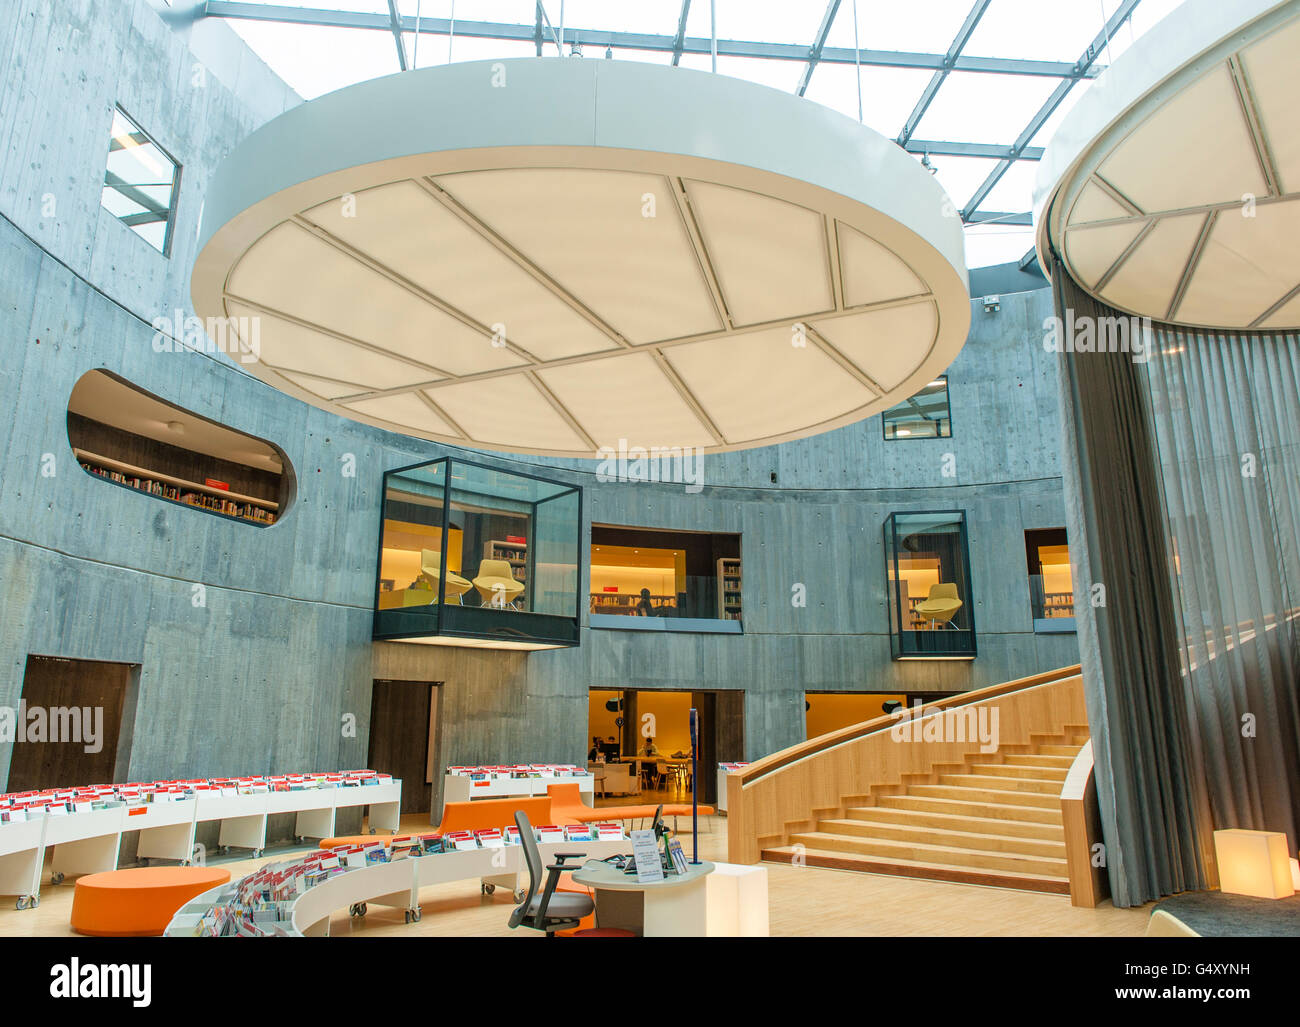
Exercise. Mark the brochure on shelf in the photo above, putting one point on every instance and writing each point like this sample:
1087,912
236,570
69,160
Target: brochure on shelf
677,856
491,839
549,833
461,841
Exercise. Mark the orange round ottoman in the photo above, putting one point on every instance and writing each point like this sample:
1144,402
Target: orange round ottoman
138,902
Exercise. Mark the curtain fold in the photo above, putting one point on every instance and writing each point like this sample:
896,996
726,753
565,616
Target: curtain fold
1154,807
1227,417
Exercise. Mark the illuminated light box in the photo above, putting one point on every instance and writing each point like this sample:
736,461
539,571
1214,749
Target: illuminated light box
1254,863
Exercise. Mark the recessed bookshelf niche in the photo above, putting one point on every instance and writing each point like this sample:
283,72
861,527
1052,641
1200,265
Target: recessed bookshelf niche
135,440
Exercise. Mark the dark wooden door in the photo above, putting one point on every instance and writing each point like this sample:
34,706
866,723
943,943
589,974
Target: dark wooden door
78,708
404,738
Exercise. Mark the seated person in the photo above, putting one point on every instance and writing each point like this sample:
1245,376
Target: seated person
648,770
595,753
643,606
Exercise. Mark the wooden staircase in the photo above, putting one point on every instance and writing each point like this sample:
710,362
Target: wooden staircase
994,819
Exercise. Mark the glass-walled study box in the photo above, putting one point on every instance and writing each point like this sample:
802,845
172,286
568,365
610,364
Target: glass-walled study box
931,609
474,555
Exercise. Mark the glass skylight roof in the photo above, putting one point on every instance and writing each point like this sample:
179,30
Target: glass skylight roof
978,112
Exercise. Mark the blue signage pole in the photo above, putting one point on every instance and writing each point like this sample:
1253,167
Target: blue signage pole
695,801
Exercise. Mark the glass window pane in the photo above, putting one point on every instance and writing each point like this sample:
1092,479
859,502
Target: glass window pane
928,565
922,416
470,551
139,183
637,572
920,26
1051,579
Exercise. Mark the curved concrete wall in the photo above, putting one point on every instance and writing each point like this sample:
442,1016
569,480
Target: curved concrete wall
253,644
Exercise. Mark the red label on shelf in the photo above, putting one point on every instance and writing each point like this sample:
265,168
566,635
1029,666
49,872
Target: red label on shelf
212,483
610,588
517,540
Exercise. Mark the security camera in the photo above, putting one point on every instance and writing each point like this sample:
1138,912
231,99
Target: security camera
992,304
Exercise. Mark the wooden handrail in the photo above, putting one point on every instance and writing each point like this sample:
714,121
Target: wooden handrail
1081,818
786,792
802,750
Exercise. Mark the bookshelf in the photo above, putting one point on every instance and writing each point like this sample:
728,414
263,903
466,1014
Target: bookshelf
1058,604
514,553
222,502
729,589
626,603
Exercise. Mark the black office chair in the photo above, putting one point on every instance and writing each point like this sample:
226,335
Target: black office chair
549,912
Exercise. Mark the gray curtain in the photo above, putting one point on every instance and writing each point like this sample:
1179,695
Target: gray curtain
1227,424
1153,805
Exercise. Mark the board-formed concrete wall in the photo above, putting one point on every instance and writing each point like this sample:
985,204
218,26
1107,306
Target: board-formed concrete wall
253,645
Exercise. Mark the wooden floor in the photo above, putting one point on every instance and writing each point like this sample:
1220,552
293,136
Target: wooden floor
806,901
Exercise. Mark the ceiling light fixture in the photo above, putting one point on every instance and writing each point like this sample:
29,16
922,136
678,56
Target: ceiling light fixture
469,222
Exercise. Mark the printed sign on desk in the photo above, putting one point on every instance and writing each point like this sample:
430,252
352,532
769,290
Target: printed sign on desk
648,867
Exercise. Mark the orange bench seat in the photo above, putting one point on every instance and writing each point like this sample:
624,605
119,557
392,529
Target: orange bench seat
566,800
137,902
474,815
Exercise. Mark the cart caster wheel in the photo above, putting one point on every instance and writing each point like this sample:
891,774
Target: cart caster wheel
415,916
184,863
57,877
36,901
520,895
357,909
23,902
225,850
257,853
144,861
372,830
488,889
406,916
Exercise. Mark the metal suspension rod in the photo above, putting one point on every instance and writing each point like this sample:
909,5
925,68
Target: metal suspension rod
857,58
713,29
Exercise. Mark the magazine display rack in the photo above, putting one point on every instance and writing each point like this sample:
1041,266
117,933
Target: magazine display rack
507,781
296,898
86,824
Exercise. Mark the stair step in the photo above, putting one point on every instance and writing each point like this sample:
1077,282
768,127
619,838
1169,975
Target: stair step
896,867
990,840
958,821
1059,750
1040,773
982,859
969,804
1007,784
1009,797
1040,759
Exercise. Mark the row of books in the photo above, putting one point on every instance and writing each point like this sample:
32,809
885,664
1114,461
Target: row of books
229,507
518,770
20,806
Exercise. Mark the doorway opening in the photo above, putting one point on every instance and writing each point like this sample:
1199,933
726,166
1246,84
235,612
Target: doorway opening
73,724
620,724
405,740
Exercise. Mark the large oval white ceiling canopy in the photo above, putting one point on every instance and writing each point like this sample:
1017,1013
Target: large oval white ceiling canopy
1172,190
559,255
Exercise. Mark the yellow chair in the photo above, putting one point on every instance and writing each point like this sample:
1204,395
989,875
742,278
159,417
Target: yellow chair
497,585
431,568
940,606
